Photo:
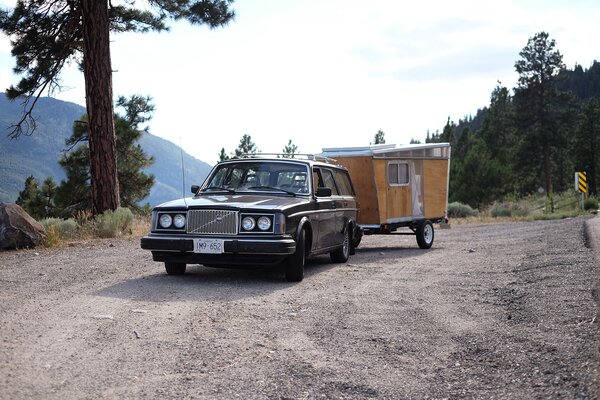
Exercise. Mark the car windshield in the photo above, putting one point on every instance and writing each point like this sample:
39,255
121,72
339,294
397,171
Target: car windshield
271,176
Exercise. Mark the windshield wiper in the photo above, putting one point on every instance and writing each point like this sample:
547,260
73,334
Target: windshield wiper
272,188
218,188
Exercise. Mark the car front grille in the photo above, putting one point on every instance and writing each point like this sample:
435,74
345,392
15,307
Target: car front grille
213,222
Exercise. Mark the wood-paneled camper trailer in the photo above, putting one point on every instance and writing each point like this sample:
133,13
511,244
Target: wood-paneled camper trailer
398,186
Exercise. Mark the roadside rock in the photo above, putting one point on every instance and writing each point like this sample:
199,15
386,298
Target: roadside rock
17,228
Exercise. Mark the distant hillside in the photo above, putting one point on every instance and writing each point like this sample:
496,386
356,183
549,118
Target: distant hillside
167,169
38,153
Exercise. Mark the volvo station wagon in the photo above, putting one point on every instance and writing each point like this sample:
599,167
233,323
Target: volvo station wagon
259,210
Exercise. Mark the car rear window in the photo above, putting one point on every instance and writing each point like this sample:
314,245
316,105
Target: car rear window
343,182
328,180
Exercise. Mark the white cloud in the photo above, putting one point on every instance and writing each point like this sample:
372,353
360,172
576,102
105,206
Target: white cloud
331,73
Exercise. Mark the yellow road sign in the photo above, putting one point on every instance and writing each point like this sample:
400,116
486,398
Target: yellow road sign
581,181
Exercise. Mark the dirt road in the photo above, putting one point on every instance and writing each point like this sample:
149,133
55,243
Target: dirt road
491,311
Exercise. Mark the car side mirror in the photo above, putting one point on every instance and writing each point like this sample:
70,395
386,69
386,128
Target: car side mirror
195,189
323,192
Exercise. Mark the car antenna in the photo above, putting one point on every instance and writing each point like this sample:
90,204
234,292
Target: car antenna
182,171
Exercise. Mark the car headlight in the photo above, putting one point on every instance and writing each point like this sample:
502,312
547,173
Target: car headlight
248,223
179,221
165,221
264,223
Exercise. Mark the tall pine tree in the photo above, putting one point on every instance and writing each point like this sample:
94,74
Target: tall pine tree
379,137
536,99
290,149
246,146
498,133
134,184
48,34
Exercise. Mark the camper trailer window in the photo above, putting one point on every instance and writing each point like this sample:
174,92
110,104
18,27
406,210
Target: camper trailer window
398,173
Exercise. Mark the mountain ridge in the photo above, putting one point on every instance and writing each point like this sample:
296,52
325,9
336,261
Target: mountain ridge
38,153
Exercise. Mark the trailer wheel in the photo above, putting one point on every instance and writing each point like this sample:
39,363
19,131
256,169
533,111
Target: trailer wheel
425,234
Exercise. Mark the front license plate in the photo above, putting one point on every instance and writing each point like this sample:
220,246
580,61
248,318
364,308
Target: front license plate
208,246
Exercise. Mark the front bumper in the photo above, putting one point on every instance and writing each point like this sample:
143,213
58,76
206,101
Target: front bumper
236,251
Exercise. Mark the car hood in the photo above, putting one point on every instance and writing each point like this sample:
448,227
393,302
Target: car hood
237,201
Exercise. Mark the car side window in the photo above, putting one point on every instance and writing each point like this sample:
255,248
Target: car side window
344,184
317,183
328,180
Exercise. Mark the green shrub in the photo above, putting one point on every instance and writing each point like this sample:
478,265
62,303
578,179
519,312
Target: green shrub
510,209
522,209
114,223
567,200
57,230
591,203
500,210
460,210
64,228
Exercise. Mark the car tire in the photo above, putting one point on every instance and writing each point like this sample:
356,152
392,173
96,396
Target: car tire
175,268
425,234
342,254
294,265
357,237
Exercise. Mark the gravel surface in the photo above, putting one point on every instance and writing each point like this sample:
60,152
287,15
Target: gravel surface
491,311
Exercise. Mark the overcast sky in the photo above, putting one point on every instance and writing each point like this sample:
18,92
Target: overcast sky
331,73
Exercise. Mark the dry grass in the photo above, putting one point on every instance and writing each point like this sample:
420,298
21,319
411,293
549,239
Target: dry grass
487,219
140,226
53,238
531,208
85,227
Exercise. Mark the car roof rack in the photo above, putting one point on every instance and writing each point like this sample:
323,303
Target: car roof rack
297,156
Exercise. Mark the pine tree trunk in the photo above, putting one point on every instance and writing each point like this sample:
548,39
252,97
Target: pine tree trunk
99,102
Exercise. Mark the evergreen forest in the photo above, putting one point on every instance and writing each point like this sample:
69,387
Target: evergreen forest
530,139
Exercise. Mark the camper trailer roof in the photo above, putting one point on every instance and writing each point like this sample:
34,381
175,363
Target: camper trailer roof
428,150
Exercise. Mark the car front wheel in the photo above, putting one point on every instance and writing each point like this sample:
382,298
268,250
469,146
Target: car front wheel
294,265
175,268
